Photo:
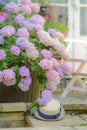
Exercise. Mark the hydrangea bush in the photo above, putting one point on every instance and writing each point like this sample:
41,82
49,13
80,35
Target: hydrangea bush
25,47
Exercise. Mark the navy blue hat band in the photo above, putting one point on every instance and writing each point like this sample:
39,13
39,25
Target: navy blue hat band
49,116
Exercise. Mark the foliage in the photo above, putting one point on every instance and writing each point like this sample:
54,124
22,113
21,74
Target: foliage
58,26
25,47
42,2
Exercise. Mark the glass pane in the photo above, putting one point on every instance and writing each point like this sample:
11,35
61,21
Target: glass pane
60,14
83,1
59,1
83,21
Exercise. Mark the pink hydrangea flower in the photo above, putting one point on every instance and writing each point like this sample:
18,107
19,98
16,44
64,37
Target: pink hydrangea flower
44,37
1,40
9,82
1,76
25,2
46,54
15,50
3,17
66,68
24,71
46,64
35,8
52,75
26,9
11,7
52,86
37,19
31,51
38,27
33,55
8,74
60,36
9,77
19,19
2,55
60,49
7,31
22,32
56,64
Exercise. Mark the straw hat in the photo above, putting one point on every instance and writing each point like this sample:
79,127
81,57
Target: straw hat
50,112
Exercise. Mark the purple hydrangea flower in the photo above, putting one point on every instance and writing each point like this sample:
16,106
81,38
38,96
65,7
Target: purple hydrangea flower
22,42
24,71
27,24
9,77
46,54
37,19
11,7
1,40
42,101
66,68
2,55
46,94
61,74
52,31
22,32
25,2
7,31
38,27
19,19
15,50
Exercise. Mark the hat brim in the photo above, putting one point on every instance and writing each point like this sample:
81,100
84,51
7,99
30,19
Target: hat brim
62,113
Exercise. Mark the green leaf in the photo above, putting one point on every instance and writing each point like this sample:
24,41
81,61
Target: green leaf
32,110
15,68
42,79
35,68
20,58
35,103
4,65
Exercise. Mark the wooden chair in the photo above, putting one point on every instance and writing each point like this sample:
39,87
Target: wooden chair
76,76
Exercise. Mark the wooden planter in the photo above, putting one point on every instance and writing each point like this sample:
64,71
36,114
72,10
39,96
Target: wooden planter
10,94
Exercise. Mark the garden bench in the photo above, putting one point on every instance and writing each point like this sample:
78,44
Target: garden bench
77,75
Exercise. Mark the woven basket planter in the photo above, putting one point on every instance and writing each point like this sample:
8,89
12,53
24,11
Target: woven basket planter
10,94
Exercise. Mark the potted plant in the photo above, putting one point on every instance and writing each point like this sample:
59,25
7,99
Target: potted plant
29,56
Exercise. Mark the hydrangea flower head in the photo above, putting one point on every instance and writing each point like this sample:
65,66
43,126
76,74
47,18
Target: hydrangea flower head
22,32
42,101
26,9
46,94
25,2
35,8
19,19
11,7
7,31
2,55
15,50
1,40
46,54
24,71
